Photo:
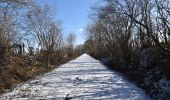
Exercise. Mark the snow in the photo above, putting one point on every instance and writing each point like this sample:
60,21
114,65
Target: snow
164,85
81,79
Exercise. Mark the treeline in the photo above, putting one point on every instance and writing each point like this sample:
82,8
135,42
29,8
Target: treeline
29,28
31,41
133,37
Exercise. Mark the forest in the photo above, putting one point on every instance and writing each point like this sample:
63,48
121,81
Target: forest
31,41
131,37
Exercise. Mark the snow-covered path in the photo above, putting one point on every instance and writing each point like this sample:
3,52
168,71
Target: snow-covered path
81,79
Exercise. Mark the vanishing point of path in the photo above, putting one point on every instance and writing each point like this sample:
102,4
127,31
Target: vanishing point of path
81,79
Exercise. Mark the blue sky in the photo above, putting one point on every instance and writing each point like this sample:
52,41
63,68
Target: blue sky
73,15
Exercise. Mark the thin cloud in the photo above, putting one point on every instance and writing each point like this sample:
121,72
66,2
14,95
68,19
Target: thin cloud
80,30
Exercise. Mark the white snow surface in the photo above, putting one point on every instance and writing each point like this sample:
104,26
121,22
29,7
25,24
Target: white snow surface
83,78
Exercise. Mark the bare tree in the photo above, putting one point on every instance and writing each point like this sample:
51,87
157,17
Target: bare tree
151,17
46,30
112,30
10,25
70,42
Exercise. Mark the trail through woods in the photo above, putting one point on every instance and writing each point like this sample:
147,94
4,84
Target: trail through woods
83,78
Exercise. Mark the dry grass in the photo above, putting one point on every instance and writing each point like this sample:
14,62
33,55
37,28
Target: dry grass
19,71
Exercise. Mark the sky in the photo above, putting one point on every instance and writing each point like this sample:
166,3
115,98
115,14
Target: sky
73,15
